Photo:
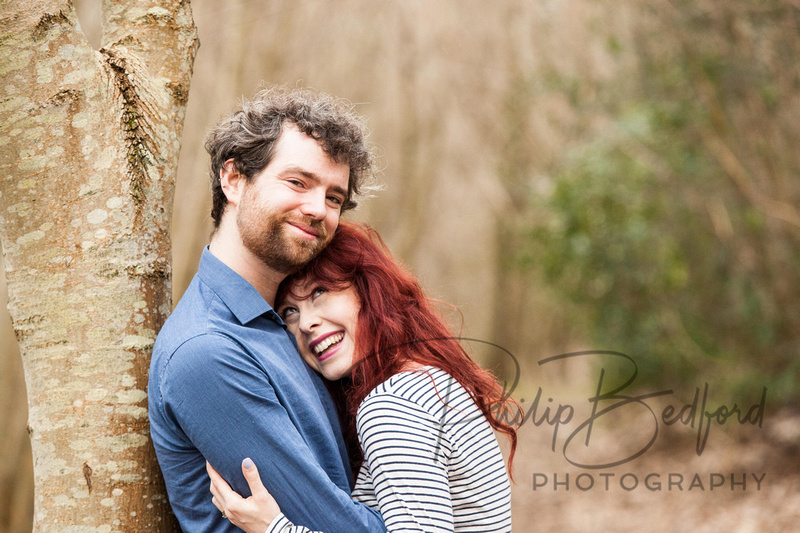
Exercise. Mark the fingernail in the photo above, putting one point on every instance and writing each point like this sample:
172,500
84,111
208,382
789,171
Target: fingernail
248,463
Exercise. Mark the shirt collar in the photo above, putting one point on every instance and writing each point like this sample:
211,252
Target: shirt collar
244,301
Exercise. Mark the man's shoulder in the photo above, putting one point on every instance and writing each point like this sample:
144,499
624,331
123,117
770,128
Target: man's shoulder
203,325
198,310
198,316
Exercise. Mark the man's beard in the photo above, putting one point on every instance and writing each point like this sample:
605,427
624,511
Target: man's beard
264,234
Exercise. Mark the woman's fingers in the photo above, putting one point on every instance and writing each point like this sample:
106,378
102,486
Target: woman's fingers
218,485
250,472
217,504
223,494
267,507
253,514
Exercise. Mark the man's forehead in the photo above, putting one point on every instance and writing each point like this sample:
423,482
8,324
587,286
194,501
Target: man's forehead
300,153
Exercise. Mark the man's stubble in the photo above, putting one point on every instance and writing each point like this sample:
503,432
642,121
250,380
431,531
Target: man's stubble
263,233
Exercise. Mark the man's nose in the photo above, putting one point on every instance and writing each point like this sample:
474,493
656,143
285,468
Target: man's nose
314,205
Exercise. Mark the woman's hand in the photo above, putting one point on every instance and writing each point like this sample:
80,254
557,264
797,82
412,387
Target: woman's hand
254,514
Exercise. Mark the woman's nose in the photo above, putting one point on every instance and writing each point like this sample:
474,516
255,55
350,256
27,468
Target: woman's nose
308,322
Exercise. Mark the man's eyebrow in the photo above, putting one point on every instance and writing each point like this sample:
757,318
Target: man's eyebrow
316,179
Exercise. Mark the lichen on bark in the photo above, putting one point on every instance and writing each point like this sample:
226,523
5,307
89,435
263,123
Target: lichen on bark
89,143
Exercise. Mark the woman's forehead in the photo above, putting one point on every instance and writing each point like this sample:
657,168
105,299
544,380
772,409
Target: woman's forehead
293,290
301,287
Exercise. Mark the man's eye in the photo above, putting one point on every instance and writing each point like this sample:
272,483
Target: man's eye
335,200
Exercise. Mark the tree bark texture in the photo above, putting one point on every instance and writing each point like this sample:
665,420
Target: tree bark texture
89,143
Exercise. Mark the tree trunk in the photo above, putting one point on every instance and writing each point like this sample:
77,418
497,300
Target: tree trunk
89,144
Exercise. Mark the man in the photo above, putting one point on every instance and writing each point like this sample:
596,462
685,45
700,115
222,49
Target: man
226,381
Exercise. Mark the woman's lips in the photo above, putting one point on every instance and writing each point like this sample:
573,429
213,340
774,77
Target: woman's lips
330,352
326,345
321,338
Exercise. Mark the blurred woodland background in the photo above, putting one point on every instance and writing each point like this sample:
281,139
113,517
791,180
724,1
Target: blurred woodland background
571,174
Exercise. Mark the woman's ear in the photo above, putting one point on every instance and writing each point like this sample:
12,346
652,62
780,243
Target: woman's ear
232,182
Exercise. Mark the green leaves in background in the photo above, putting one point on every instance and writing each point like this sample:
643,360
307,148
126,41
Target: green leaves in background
670,225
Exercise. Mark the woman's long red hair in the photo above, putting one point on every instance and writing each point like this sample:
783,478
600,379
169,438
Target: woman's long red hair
397,324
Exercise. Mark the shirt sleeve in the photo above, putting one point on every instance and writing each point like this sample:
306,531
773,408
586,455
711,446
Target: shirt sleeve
281,524
406,453
228,408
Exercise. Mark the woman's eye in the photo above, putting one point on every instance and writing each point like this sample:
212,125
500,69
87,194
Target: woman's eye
318,291
287,312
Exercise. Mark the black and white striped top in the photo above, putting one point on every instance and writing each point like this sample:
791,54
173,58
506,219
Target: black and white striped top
431,460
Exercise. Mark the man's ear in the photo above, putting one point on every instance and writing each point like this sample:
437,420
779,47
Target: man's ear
232,182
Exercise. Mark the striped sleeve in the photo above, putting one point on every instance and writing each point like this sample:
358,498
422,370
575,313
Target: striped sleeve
281,524
431,460
406,455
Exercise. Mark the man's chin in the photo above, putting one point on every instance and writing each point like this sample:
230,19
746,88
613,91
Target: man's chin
297,254
301,246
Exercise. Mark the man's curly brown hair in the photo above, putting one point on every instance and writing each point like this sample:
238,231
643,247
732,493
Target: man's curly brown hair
248,137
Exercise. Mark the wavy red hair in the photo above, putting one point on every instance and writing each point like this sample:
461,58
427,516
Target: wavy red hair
397,325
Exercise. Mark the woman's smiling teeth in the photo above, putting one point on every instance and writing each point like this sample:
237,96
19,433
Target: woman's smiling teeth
327,343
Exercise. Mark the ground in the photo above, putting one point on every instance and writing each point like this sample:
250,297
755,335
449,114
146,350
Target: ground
768,457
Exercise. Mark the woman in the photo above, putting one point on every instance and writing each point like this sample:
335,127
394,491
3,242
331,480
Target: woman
420,408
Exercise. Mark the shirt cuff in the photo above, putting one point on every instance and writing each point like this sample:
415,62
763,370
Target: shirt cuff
279,524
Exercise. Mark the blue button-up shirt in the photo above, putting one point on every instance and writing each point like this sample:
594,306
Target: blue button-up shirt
226,382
